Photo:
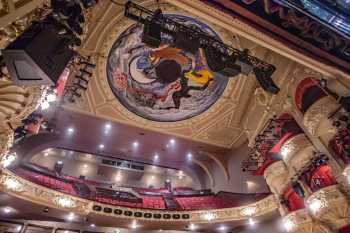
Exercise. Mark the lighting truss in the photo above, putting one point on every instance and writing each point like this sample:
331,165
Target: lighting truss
262,70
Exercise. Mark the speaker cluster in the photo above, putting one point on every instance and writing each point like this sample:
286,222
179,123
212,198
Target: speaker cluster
139,214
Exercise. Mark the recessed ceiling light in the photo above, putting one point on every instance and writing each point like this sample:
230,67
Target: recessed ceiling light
134,224
135,144
71,216
92,225
70,130
59,162
101,146
189,156
7,210
251,222
46,154
108,126
156,157
172,141
85,165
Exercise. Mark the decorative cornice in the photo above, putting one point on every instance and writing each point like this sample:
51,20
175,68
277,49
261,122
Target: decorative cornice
38,194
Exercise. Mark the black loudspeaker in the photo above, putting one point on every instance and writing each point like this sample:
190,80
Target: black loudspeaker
151,34
38,56
188,43
265,81
214,59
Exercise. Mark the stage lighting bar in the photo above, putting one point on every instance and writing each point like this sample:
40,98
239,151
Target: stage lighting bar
171,27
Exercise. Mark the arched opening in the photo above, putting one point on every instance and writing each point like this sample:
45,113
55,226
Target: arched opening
307,93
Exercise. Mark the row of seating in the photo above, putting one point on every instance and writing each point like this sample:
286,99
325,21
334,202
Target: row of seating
46,181
180,199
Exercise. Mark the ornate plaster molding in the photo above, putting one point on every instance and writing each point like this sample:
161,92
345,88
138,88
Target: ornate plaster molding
31,192
330,206
41,195
296,151
277,177
319,112
300,221
17,102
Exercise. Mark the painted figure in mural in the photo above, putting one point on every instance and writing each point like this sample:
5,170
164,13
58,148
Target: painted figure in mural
165,59
164,83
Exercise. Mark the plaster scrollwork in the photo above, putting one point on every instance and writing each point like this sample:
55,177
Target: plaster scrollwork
18,102
277,177
318,113
300,221
331,206
296,151
6,141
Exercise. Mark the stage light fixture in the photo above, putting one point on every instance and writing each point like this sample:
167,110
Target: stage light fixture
265,80
187,42
220,57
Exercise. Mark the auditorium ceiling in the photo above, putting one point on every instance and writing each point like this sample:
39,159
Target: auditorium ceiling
214,108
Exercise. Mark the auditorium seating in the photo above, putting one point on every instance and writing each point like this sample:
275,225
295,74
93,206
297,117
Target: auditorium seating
181,198
148,202
46,181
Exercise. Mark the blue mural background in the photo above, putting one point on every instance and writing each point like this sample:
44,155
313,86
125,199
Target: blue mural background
164,84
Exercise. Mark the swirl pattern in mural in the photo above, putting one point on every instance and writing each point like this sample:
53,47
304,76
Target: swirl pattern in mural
163,84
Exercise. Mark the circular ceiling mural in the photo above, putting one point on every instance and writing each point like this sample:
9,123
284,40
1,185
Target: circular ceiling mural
163,84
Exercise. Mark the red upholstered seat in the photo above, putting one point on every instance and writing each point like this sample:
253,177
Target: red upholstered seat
205,202
46,181
148,202
294,201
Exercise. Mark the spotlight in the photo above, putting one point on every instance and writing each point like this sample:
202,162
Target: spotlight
221,63
187,42
265,80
